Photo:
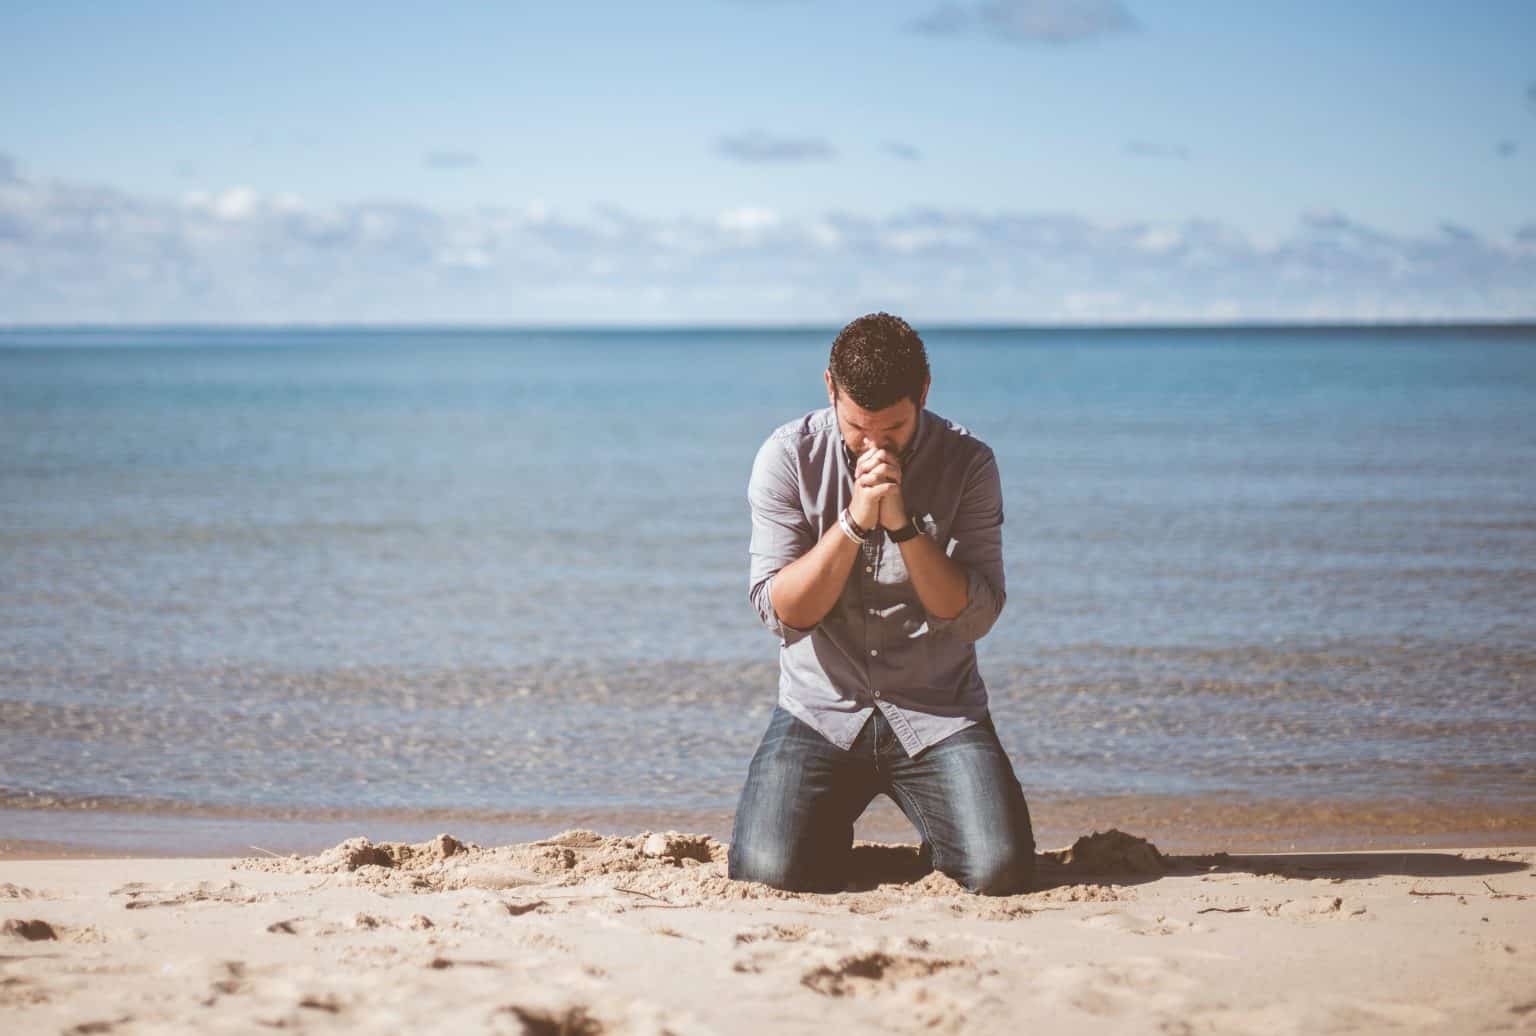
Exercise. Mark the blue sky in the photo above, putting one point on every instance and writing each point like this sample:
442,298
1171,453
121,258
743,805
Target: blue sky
1036,161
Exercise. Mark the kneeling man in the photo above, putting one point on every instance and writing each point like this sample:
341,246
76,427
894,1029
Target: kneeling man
877,559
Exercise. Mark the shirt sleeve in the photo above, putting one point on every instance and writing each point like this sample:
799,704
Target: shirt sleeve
780,531
976,544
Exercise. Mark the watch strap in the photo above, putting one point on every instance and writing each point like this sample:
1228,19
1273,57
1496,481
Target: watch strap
905,533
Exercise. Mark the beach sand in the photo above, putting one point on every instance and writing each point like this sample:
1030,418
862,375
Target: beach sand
585,934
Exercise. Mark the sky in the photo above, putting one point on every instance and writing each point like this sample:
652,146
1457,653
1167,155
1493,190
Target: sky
767,162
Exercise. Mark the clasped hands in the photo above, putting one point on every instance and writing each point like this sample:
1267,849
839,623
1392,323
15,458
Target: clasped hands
877,501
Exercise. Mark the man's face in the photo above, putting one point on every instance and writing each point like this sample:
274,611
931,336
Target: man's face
889,429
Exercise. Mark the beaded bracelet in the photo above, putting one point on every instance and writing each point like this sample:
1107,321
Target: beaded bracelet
851,528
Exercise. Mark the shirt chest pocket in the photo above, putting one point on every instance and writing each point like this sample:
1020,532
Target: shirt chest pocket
890,567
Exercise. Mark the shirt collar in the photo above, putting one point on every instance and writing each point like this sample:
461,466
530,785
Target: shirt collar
917,438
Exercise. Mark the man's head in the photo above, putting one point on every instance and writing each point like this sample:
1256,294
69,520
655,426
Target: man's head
877,381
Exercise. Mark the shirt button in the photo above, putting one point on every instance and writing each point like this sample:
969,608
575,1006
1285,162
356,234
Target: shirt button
872,651
877,694
869,568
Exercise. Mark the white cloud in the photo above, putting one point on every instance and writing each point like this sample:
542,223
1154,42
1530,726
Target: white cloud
79,253
235,203
1159,239
826,235
1093,305
747,220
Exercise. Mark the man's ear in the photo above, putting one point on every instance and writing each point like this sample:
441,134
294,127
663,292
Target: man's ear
831,387
922,399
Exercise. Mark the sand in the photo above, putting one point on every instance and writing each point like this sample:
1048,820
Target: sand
586,934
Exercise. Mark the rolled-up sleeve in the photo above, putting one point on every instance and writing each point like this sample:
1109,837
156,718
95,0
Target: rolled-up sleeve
780,530
976,544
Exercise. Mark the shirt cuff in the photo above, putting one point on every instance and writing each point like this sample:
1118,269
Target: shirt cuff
787,634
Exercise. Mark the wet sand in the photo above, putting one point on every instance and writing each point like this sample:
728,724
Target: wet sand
1179,823
582,933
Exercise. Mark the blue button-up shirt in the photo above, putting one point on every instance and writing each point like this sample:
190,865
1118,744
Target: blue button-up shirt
878,647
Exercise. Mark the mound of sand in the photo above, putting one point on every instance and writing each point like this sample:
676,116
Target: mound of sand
691,868
1112,852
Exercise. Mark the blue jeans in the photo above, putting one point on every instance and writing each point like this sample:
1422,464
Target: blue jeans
794,823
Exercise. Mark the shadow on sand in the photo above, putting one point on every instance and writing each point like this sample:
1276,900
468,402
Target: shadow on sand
1114,857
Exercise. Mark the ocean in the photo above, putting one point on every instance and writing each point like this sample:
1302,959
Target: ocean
1273,581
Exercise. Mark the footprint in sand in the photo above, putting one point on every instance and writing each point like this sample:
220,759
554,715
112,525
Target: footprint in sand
94,1028
1121,921
359,922
1325,1014
1132,987
575,1021
36,930
772,943
834,966
936,993
543,941
872,973
140,895
1367,1015
28,930
772,933
1315,908
16,991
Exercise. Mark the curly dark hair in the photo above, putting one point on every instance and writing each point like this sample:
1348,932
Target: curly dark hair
879,360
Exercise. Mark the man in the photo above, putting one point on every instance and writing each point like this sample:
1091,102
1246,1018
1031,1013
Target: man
876,558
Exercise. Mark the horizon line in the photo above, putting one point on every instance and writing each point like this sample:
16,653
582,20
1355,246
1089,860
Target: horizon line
767,328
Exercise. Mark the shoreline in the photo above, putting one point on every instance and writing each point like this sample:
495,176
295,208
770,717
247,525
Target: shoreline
1181,824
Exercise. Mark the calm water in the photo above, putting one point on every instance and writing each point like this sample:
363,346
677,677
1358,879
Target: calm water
503,571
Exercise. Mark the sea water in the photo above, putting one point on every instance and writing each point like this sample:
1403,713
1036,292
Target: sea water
492,571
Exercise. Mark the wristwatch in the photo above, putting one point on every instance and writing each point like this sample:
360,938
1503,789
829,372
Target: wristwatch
905,533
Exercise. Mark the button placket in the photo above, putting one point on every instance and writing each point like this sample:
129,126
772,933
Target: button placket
872,637
870,552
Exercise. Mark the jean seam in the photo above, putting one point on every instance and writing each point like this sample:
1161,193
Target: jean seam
922,819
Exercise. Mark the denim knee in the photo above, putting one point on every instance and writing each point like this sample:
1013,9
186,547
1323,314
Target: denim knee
771,865
767,864
1003,873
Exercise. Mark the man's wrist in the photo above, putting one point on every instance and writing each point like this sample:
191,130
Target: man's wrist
904,532
852,529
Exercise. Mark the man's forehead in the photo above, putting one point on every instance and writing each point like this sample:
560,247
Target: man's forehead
894,414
